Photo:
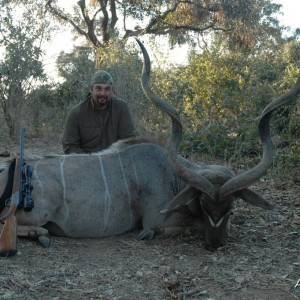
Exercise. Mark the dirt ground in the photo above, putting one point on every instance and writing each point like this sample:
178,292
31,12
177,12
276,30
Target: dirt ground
260,261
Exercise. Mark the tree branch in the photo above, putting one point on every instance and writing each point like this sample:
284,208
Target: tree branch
114,17
90,34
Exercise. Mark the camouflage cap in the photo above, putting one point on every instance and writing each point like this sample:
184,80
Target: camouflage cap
102,77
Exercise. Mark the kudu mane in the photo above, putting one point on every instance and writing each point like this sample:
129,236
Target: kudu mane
114,148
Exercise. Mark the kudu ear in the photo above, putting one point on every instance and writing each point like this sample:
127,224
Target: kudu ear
254,199
185,197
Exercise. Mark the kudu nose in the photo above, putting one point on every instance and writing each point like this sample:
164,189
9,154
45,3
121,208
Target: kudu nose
213,245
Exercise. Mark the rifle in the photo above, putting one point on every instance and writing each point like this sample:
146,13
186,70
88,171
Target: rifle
8,237
25,184
27,187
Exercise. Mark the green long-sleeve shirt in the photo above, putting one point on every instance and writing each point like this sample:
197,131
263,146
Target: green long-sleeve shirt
87,130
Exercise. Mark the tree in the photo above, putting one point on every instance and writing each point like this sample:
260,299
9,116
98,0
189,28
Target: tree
20,36
241,23
225,95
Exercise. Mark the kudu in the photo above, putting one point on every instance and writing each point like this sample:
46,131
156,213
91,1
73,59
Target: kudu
138,183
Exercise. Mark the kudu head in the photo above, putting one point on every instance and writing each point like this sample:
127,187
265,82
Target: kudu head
211,189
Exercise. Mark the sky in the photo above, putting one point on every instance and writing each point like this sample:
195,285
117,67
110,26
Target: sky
62,40
290,9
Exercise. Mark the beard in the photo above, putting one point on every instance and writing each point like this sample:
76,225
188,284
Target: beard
100,103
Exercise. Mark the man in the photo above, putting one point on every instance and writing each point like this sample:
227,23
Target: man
99,121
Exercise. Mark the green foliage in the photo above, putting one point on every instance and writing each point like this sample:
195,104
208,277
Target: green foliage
21,67
253,26
287,157
44,113
220,95
287,119
75,69
49,103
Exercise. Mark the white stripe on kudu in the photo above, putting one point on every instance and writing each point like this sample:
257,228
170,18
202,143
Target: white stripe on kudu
35,174
134,168
107,197
63,181
128,191
124,177
62,174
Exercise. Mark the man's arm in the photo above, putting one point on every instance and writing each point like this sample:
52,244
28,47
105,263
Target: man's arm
125,125
71,134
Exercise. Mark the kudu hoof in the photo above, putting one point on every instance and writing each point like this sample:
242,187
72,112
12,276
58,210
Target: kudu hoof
146,234
45,241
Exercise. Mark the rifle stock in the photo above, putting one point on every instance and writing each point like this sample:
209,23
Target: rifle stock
8,237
